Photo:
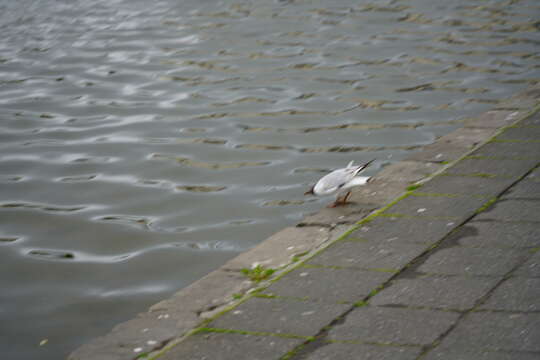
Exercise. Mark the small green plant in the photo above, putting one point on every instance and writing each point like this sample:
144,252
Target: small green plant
258,273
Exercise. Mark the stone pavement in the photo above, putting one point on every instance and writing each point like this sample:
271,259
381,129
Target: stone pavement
449,270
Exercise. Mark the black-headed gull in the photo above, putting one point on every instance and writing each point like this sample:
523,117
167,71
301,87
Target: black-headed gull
340,181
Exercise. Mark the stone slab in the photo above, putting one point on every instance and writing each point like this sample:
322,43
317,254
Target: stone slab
457,354
346,351
390,230
515,294
378,192
394,325
512,210
280,248
407,171
467,185
534,175
368,255
495,331
498,167
509,150
497,234
280,316
494,119
532,120
328,284
456,207
525,189
454,145
531,268
220,346
448,292
473,261
349,214
524,133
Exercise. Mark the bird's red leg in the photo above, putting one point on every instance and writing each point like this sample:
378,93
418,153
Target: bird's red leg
340,201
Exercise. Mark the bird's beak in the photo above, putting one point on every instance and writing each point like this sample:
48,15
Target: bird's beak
309,192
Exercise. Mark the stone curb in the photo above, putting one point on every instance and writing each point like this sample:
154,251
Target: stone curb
168,321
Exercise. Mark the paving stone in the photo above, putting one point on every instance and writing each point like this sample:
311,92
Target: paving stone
340,285
473,261
407,171
531,120
525,133
378,192
493,119
439,152
454,145
512,210
495,331
462,354
349,214
525,189
534,175
450,292
515,294
458,207
531,268
344,351
467,185
498,167
394,325
280,316
404,230
368,255
509,150
498,234
220,346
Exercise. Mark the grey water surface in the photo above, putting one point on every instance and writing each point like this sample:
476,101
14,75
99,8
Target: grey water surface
145,143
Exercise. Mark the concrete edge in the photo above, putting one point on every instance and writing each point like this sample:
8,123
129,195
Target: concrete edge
169,321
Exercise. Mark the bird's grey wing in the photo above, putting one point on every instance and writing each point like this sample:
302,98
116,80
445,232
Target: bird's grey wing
337,179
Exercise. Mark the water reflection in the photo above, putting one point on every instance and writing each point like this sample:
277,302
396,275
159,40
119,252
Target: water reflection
142,145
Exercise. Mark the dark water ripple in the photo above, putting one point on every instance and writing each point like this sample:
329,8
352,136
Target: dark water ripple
142,144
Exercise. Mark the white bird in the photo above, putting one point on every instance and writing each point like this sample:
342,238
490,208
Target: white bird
340,181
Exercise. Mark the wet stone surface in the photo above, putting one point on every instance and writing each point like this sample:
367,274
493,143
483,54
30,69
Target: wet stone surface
394,325
437,206
495,331
493,167
368,255
390,230
513,210
515,294
497,234
342,285
280,316
442,292
473,261
369,352
206,346
467,185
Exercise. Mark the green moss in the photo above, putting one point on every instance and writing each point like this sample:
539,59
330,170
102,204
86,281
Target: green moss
258,273
413,187
486,205
434,194
207,330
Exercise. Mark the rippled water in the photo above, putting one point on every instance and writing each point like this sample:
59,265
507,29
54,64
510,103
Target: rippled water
142,144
